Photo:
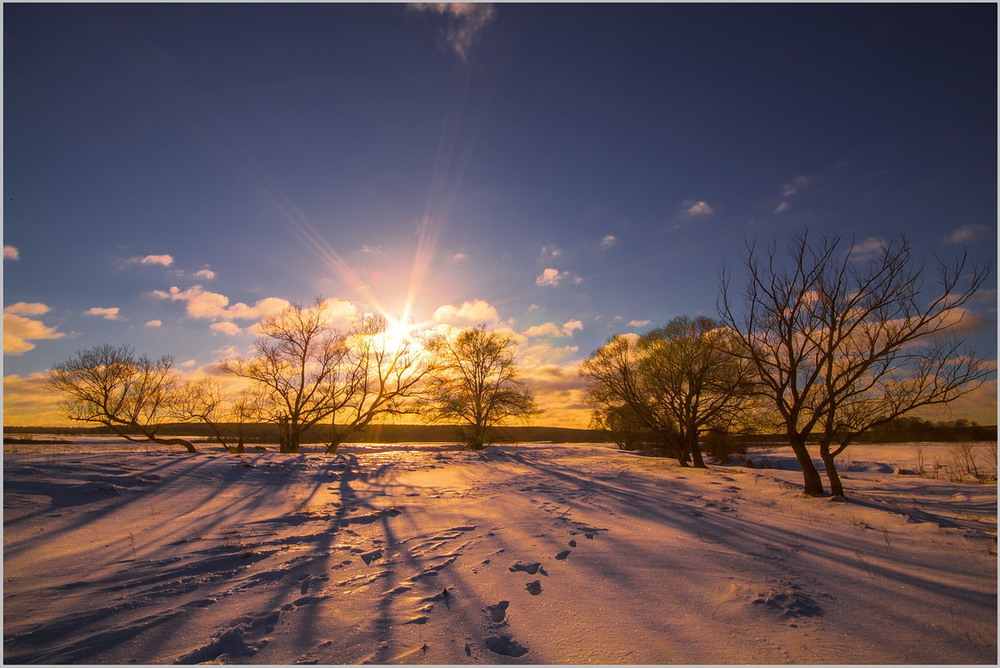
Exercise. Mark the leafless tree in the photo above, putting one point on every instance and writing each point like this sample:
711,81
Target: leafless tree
679,380
379,376
307,371
841,344
227,414
111,386
296,364
476,382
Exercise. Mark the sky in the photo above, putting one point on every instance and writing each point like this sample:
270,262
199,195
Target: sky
173,173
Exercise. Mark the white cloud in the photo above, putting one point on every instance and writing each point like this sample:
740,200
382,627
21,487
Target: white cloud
371,250
19,330
154,323
551,276
109,313
458,257
534,307
11,253
793,186
466,20
691,209
163,260
608,241
230,328
638,323
205,274
474,312
965,234
782,207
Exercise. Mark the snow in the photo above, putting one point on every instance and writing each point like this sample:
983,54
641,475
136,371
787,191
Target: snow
530,554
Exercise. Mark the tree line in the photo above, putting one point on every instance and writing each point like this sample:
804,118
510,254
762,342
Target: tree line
304,372
825,346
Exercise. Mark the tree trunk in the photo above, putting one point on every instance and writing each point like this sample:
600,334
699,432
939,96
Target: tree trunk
697,460
331,447
812,483
836,486
174,441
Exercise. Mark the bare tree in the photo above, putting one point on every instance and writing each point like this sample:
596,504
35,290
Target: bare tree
841,344
691,374
476,382
227,414
679,380
307,372
379,376
617,388
111,386
296,365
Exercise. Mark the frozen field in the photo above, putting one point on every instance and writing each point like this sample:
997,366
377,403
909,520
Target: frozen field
531,554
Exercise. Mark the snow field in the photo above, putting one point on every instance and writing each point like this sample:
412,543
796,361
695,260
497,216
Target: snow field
531,554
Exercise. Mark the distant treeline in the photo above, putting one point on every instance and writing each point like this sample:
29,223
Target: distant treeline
900,430
384,433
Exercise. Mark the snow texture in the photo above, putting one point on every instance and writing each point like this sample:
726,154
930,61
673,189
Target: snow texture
530,554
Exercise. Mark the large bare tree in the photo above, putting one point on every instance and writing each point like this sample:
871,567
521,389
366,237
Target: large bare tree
381,375
476,383
296,364
676,381
307,372
111,386
842,343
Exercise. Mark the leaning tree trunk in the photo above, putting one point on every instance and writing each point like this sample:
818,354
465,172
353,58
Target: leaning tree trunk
153,438
812,483
836,486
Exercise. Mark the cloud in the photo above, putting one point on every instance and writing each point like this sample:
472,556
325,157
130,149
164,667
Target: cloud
458,257
110,313
474,312
371,250
692,209
209,305
551,276
638,323
163,260
11,253
782,207
466,21
545,329
572,326
19,329
154,323
965,234
550,329
30,401
549,251
205,274
608,241
869,249
230,328
793,186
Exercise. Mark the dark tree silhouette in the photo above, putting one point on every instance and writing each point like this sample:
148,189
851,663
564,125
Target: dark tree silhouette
111,386
476,383
841,344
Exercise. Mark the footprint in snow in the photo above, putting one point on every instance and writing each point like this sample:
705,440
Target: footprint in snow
534,587
530,568
562,555
498,612
505,646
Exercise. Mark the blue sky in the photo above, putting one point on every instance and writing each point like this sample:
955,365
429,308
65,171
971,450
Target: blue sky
568,172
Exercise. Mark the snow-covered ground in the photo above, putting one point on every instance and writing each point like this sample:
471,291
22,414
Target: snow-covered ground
536,554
